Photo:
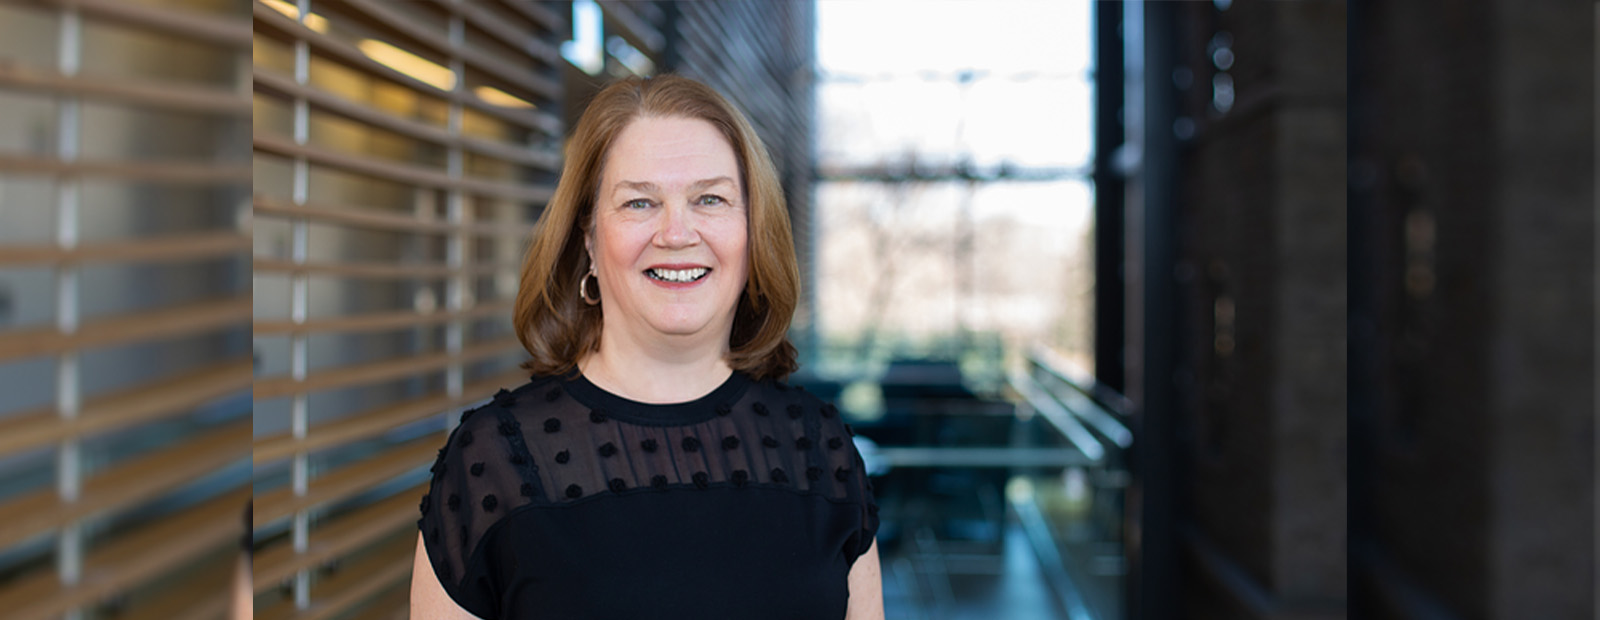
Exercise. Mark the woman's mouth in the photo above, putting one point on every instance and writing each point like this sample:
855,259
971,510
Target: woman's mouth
677,275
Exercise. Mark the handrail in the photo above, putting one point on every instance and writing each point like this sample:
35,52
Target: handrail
1097,405
1080,380
1075,402
1000,457
1064,421
1045,547
1091,412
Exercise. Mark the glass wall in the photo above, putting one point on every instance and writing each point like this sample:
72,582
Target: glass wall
955,286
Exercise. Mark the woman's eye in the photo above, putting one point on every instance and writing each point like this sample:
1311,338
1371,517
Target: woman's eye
711,200
639,203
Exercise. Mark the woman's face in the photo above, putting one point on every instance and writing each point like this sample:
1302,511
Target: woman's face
669,239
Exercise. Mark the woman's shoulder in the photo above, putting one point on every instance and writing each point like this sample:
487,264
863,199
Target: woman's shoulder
498,414
540,392
796,400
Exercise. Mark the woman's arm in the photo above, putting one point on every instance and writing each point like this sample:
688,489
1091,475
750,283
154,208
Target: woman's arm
243,596
429,600
866,587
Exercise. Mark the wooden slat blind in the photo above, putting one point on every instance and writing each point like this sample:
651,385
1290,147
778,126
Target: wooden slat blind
406,157
147,463
400,155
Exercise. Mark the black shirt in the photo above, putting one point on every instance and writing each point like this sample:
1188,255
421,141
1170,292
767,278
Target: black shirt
562,500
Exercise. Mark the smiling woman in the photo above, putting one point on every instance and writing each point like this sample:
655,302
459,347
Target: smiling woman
656,452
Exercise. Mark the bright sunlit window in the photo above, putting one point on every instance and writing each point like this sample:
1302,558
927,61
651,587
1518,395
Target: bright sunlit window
955,211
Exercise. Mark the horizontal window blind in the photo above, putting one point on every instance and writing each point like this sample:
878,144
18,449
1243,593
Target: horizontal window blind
124,369
402,151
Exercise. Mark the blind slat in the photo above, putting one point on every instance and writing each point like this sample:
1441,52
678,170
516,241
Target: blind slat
531,157
122,408
144,249
360,374
375,219
348,480
549,19
386,566
380,321
266,80
290,30
400,173
155,172
166,97
273,82
336,537
508,34
203,594
181,24
549,124
401,271
175,321
132,558
375,422
544,87
126,484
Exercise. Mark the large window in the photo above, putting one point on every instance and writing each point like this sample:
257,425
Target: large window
954,211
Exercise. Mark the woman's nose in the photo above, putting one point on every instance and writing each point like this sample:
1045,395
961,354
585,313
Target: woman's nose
677,227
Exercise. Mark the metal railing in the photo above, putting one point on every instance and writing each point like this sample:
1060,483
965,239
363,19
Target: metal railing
1094,420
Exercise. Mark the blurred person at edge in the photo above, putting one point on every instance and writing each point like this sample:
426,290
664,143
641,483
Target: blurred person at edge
656,465
243,599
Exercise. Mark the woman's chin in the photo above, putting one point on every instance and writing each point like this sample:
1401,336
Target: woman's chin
683,326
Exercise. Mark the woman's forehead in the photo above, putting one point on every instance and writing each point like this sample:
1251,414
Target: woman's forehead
667,154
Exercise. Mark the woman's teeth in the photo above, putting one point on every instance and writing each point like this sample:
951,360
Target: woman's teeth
678,275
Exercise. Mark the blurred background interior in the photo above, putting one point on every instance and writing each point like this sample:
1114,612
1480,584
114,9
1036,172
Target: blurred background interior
1080,273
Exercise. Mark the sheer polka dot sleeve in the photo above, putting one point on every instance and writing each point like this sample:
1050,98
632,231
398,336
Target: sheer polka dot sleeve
850,476
476,481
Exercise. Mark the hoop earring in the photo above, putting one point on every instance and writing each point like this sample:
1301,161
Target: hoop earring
583,288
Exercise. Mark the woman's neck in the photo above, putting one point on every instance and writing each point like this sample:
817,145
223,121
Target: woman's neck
659,373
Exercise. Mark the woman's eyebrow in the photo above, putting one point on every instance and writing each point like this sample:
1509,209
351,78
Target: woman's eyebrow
705,183
638,186
650,188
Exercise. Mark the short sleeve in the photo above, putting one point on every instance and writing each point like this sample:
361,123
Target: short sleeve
858,488
475,484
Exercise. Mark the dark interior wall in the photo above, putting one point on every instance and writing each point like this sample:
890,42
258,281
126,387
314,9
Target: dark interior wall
1416,147
1472,150
1541,350
1260,308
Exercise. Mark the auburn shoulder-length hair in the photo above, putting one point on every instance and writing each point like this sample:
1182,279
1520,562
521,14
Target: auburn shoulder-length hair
557,327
